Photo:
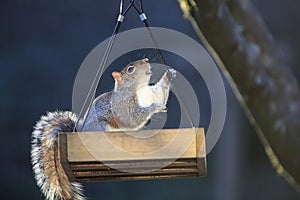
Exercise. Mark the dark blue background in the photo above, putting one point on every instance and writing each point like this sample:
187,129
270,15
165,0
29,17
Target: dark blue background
42,44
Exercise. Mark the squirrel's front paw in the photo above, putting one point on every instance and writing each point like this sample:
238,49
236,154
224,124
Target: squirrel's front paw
173,73
159,107
170,74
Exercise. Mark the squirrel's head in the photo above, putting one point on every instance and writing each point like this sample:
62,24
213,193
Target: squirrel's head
135,74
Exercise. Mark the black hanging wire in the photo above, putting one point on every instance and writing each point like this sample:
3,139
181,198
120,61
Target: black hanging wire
92,91
161,58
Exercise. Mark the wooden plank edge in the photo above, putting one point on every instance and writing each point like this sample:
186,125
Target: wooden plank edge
63,156
138,177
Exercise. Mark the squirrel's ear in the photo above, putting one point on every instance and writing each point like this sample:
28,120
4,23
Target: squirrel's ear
117,76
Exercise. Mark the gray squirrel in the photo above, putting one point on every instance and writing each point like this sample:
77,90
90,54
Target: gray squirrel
127,107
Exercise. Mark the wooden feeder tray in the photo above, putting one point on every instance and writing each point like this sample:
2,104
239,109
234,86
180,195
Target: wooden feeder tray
100,156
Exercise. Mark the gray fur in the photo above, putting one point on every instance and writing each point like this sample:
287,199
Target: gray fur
44,156
99,114
130,115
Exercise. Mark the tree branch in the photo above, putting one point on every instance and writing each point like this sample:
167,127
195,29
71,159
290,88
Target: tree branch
235,35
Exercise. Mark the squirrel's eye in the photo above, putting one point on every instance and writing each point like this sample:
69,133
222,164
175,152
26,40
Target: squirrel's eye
130,69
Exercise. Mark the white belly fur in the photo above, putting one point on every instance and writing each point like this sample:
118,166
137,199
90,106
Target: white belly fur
152,94
145,96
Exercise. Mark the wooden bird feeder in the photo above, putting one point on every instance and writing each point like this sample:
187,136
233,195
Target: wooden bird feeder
101,156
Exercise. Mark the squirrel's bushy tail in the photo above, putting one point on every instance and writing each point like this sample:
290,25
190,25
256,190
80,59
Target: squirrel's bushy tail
47,169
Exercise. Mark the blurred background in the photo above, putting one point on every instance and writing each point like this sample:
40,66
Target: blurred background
42,45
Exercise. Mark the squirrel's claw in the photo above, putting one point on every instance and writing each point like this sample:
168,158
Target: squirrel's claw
165,109
159,107
170,74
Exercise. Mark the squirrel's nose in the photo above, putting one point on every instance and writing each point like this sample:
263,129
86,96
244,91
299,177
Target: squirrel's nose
145,60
